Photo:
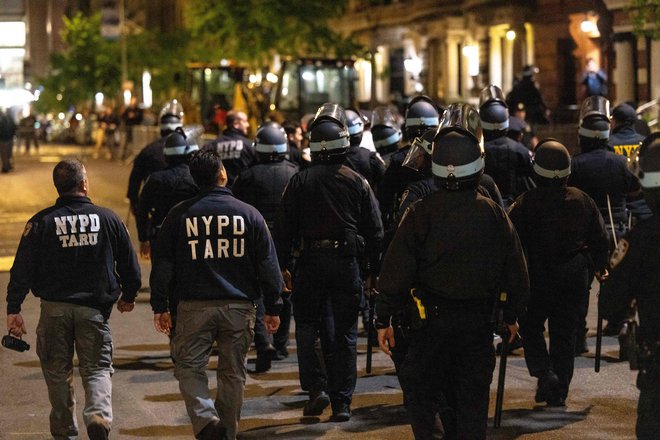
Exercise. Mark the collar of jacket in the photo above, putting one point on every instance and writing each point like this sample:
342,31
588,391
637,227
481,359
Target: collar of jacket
68,200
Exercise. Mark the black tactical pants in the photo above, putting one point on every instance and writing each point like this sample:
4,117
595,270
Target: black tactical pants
648,382
556,295
447,373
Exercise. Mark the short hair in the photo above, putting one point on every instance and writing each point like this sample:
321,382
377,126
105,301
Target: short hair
290,127
205,166
68,175
232,116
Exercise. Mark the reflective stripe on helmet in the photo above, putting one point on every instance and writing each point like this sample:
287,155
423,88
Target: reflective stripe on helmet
458,170
357,128
270,148
329,145
411,122
170,125
594,134
494,125
180,151
650,180
393,138
552,174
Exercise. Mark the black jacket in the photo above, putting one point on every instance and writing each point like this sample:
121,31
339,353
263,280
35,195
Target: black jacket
454,245
624,140
236,152
367,164
162,190
214,246
74,252
509,163
149,160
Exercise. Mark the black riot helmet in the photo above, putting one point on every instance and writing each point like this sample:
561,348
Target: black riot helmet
645,164
270,142
385,130
421,150
458,149
494,112
328,134
594,124
552,163
355,123
171,117
421,114
178,147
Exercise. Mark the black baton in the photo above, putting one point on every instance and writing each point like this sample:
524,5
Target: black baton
499,399
599,336
370,332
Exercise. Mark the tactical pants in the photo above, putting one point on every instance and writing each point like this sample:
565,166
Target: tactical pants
556,295
200,324
326,302
648,408
63,327
447,373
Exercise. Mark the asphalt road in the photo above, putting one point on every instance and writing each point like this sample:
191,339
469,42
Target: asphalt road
147,403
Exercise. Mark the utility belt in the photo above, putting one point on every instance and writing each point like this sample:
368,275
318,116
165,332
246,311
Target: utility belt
424,307
352,245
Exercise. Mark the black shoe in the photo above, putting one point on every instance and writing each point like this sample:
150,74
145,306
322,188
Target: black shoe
97,431
316,404
281,354
556,402
547,388
213,431
263,364
341,413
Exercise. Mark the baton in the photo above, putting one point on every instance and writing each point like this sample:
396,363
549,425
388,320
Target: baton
370,333
499,399
599,336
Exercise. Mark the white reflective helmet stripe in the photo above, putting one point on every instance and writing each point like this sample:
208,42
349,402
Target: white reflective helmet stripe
170,125
271,148
650,180
358,127
329,145
551,174
396,137
179,151
458,170
494,125
411,122
595,134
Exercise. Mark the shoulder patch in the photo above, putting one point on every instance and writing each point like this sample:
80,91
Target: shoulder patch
28,228
619,253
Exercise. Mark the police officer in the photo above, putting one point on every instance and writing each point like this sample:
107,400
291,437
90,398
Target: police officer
331,213
508,162
525,91
152,158
633,276
565,240
262,186
234,148
604,176
78,258
454,251
216,254
164,189
359,159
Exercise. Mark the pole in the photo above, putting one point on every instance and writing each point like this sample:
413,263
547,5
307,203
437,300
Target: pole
499,399
599,337
370,332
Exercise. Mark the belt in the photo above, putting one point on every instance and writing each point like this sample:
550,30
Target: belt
308,244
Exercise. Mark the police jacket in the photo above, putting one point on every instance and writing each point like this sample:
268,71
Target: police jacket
367,164
624,140
634,268
509,163
214,246
162,190
556,223
150,159
262,186
396,179
74,252
455,246
236,152
329,202
525,91
420,189
600,173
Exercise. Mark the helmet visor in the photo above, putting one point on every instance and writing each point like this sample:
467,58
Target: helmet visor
465,118
595,106
384,115
491,93
173,107
419,155
332,112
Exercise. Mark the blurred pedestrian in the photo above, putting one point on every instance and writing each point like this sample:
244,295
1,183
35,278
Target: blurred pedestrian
594,80
527,92
7,132
131,118
78,258
28,132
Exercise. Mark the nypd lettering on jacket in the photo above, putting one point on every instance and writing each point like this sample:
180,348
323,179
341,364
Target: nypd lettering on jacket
78,230
229,149
221,236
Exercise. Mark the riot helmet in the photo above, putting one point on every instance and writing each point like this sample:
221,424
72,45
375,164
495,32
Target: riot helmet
494,112
329,139
270,142
421,114
171,117
178,147
385,130
458,150
645,164
552,162
594,125
355,123
421,149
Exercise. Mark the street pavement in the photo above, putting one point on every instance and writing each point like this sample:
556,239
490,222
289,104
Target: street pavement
147,403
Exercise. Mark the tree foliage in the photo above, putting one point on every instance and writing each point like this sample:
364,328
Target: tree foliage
645,16
251,31
87,65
